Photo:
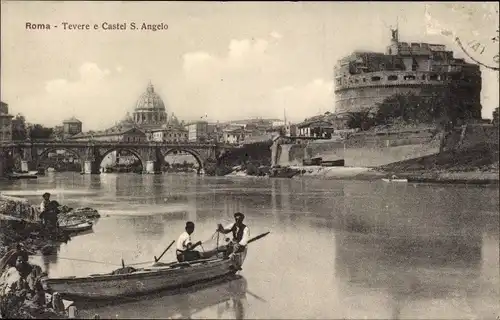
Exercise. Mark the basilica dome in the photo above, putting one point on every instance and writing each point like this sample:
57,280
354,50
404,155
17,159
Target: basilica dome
149,109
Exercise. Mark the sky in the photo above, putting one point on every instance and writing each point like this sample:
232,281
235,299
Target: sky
224,60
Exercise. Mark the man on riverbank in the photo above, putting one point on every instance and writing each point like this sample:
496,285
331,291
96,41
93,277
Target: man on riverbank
45,202
10,258
185,248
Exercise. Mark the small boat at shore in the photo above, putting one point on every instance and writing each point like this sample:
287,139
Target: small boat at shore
77,227
394,180
25,175
158,277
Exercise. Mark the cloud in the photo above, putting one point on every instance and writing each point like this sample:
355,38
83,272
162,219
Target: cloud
90,77
275,35
251,79
96,97
305,100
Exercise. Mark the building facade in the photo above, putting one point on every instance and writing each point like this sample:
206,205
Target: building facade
117,134
197,131
364,79
169,133
315,129
5,123
233,136
71,127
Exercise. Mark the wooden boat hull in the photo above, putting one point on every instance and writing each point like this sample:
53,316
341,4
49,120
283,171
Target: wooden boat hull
142,281
14,176
85,226
395,180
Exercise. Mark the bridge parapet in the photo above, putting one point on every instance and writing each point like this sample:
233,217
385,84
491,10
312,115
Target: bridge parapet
92,152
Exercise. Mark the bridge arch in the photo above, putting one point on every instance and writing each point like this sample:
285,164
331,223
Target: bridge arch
192,152
44,154
133,151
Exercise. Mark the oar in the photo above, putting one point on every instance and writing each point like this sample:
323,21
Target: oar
158,259
259,237
256,296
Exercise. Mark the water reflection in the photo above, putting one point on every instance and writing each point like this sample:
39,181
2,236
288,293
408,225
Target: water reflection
51,258
337,249
219,299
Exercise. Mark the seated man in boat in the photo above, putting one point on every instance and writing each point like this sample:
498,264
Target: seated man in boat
241,233
185,248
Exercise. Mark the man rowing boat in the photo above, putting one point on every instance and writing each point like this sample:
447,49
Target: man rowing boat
185,249
241,235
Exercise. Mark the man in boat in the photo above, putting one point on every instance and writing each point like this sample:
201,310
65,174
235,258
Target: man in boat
185,248
240,232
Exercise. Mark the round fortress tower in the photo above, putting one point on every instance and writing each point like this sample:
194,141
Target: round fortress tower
364,79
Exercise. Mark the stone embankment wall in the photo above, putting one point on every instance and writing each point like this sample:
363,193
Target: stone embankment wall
365,149
472,135
3,163
291,154
376,149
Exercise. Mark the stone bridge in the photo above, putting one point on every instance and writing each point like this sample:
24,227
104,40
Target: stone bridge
90,154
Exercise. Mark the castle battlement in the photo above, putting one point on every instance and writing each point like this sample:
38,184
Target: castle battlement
363,79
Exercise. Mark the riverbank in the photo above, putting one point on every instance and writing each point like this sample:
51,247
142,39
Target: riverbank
490,177
369,174
22,296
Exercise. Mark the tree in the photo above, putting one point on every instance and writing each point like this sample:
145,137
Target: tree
495,116
39,132
19,127
361,119
443,106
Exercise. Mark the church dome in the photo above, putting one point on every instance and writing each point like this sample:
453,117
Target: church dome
149,101
149,110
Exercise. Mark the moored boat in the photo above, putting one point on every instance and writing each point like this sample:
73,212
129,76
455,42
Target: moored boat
158,277
394,180
78,227
26,175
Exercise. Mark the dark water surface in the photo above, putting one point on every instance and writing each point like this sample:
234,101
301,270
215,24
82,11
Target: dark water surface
337,249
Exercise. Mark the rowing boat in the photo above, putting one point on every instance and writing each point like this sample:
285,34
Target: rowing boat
127,281
158,277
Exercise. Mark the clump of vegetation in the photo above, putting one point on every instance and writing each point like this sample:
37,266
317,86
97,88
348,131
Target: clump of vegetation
443,109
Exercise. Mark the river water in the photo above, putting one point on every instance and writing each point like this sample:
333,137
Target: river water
337,249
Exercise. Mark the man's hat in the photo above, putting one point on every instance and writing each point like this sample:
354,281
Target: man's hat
239,214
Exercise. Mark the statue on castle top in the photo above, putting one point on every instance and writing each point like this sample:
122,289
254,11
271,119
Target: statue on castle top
394,34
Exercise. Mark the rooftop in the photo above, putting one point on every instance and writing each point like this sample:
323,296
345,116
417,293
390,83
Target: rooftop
72,120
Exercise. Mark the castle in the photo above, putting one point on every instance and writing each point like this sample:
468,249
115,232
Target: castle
364,79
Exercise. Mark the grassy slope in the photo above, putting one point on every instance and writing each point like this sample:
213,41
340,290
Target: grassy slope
483,157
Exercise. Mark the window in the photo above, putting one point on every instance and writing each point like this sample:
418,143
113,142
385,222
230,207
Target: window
433,77
364,79
392,78
376,78
409,77
423,77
